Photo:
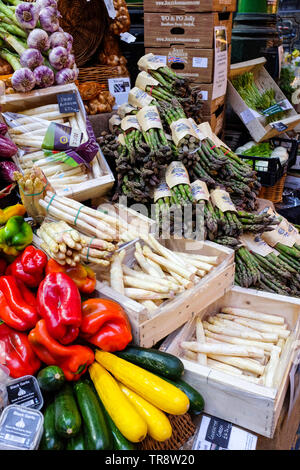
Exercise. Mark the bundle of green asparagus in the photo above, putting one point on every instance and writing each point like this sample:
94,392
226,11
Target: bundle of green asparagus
257,223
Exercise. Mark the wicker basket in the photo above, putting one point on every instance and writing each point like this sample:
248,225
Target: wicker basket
183,428
101,73
273,193
87,22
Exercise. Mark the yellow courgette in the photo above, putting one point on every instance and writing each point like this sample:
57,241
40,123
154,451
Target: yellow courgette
122,412
159,426
157,391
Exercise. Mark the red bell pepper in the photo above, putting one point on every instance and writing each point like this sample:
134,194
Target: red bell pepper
19,355
73,360
105,324
29,266
17,304
83,276
59,303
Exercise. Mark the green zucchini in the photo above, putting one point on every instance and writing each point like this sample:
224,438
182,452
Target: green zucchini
76,442
50,438
51,378
97,433
196,399
119,441
153,360
67,416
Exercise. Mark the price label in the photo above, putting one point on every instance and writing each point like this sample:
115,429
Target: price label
119,88
279,126
67,103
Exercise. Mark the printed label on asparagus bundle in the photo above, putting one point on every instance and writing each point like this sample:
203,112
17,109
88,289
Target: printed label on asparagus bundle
256,244
162,190
115,120
196,129
221,199
279,235
144,79
124,109
139,98
130,122
150,62
148,118
176,173
290,229
180,129
121,139
60,137
200,191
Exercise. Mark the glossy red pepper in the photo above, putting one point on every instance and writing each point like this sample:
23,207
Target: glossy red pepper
105,324
29,266
17,304
73,360
83,276
19,355
59,303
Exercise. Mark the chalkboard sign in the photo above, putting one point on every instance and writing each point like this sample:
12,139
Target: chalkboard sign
67,103
279,126
218,432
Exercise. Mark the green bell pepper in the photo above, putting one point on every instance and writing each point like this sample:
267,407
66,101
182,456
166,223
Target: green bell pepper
15,236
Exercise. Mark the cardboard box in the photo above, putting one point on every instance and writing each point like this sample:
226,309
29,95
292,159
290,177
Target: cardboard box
198,6
216,120
255,123
254,407
194,64
209,105
194,30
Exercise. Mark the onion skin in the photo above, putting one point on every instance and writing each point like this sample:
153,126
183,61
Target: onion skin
44,76
64,76
31,58
38,39
23,80
7,169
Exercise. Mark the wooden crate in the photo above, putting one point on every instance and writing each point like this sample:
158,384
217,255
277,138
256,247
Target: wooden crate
254,407
209,105
94,187
174,313
189,6
193,30
252,120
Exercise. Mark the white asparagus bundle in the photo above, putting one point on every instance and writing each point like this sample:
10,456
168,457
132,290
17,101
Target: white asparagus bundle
142,294
266,318
271,367
223,349
223,367
259,335
49,108
200,337
116,273
229,339
259,326
234,332
240,362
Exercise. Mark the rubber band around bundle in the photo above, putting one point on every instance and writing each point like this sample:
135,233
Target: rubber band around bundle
227,151
151,89
50,202
88,249
213,147
78,212
35,194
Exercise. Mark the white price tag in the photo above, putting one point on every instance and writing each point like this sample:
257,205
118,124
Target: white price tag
110,8
200,62
127,37
204,95
119,88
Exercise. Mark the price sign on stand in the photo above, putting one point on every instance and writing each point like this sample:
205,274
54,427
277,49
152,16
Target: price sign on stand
119,88
67,103
279,126
217,434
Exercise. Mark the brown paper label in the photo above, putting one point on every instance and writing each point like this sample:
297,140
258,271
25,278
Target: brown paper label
150,62
115,120
130,122
256,244
176,173
148,118
200,191
139,98
181,129
162,190
196,129
221,199
144,79
125,109
279,235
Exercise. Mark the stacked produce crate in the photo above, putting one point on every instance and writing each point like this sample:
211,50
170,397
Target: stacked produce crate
182,33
